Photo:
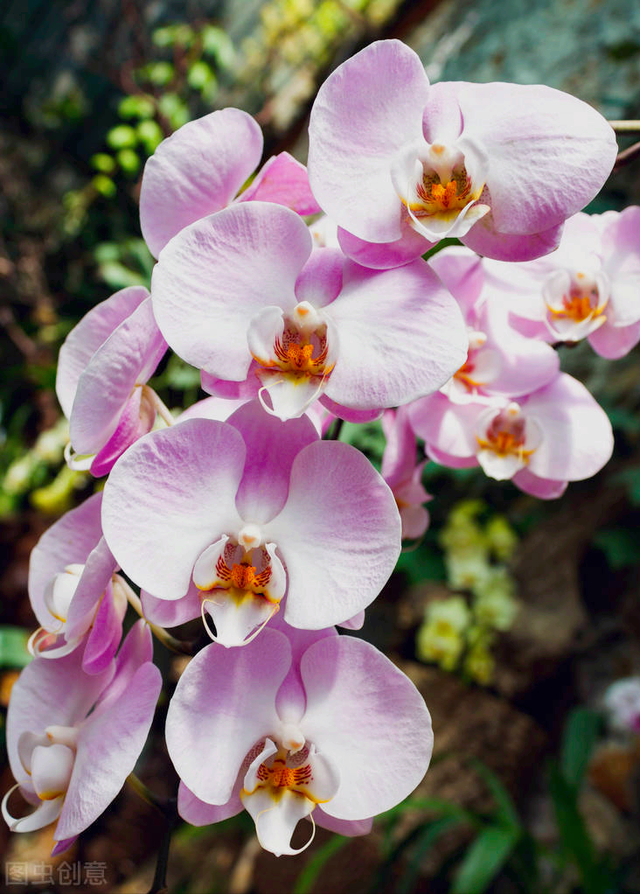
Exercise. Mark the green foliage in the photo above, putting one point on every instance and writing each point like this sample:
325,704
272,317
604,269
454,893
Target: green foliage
307,878
620,546
13,647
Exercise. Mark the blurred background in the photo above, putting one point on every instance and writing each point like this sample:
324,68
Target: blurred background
514,617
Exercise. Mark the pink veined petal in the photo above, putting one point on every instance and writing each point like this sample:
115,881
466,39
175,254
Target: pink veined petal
338,535
89,334
61,846
364,113
578,439
137,419
210,729
384,255
621,261
170,496
283,180
448,460
253,251
199,813
50,693
217,408
369,720
356,622
401,336
109,745
486,240
549,152
196,171
399,457
542,488
415,521
68,541
126,359
272,446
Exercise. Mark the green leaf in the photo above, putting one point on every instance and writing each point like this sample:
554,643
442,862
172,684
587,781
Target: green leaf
574,837
432,831
122,137
118,276
128,160
305,881
158,73
136,107
13,647
200,75
217,44
104,185
506,812
484,859
173,108
619,545
631,479
150,135
104,163
579,738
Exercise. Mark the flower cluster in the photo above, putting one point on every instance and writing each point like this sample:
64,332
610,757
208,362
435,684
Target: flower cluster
239,510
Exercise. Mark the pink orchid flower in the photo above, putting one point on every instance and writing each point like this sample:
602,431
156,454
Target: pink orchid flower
555,435
75,593
500,360
399,164
403,474
203,165
103,369
319,726
588,288
302,325
228,517
73,739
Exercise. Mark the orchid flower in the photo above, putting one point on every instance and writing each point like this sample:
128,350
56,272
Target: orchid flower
73,739
230,517
500,360
103,369
541,441
400,164
299,725
201,167
75,592
588,288
241,296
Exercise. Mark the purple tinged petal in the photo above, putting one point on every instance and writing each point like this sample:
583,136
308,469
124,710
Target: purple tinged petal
542,488
172,612
283,180
196,171
487,240
348,413
368,719
109,744
99,568
349,828
104,637
68,541
320,280
383,255
126,359
61,846
199,813
461,271
363,115
89,334
272,446
401,336
253,251
338,535
170,496
614,342
448,427
211,729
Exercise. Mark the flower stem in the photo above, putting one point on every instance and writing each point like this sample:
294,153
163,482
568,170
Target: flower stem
162,635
